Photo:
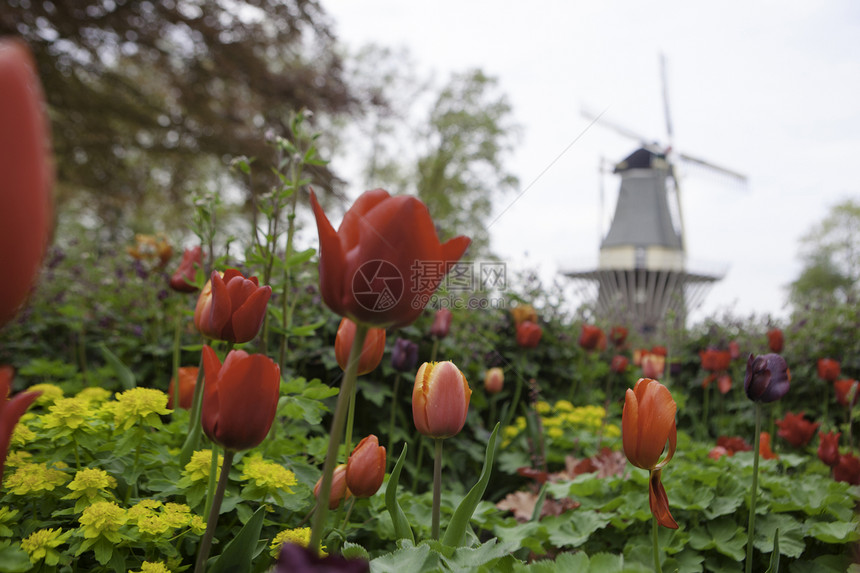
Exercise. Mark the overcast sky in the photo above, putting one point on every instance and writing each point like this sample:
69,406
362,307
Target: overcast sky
770,89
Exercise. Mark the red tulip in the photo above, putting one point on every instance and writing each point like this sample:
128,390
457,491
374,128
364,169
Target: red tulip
10,410
440,400
590,337
647,425
828,447
775,340
847,470
231,308
26,176
796,430
618,335
240,398
441,323
734,350
339,490
371,352
528,334
384,261
733,444
183,279
714,360
844,389
365,468
187,383
494,380
619,364
660,350
828,369
764,447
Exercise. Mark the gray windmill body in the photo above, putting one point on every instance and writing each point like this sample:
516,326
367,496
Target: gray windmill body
641,277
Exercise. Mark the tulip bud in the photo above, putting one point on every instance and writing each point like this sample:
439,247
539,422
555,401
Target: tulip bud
187,383
183,279
734,350
846,390
828,369
494,380
440,399
618,335
848,469
339,489
591,337
619,364
653,365
404,355
528,334
240,398
365,468
775,340
26,176
828,447
523,313
767,378
371,352
441,323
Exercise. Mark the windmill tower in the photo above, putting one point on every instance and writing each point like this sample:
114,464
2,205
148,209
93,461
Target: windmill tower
642,276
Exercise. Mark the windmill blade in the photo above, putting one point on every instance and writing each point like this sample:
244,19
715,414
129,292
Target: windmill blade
665,82
621,130
738,178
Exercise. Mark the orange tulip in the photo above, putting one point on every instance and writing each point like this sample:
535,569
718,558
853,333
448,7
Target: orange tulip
339,490
524,312
384,261
187,383
440,399
653,365
231,308
764,447
714,360
26,176
365,468
494,380
183,279
240,398
10,410
371,352
648,423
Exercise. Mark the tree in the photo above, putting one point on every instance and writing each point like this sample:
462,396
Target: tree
830,252
468,134
155,96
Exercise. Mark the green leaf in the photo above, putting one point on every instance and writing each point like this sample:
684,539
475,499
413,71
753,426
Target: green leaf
574,528
13,558
300,257
306,329
103,550
774,557
791,542
456,530
606,563
354,551
834,531
401,525
408,558
237,554
125,376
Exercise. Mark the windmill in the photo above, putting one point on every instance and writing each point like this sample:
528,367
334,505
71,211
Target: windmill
642,275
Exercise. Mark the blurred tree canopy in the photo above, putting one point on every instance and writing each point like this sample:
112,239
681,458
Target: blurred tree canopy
830,252
154,97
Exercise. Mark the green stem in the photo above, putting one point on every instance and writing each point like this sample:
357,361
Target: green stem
437,489
212,521
513,406
213,471
655,545
176,339
754,493
392,413
435,350
337,426
194,427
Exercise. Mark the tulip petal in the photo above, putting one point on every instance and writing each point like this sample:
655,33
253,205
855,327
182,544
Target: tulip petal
332,260
366,202
220,308
659,501
630,427
249,317
656,419
453,249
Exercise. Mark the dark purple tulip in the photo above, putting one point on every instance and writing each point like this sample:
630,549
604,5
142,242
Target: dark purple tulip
404,355
298,559
767,378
